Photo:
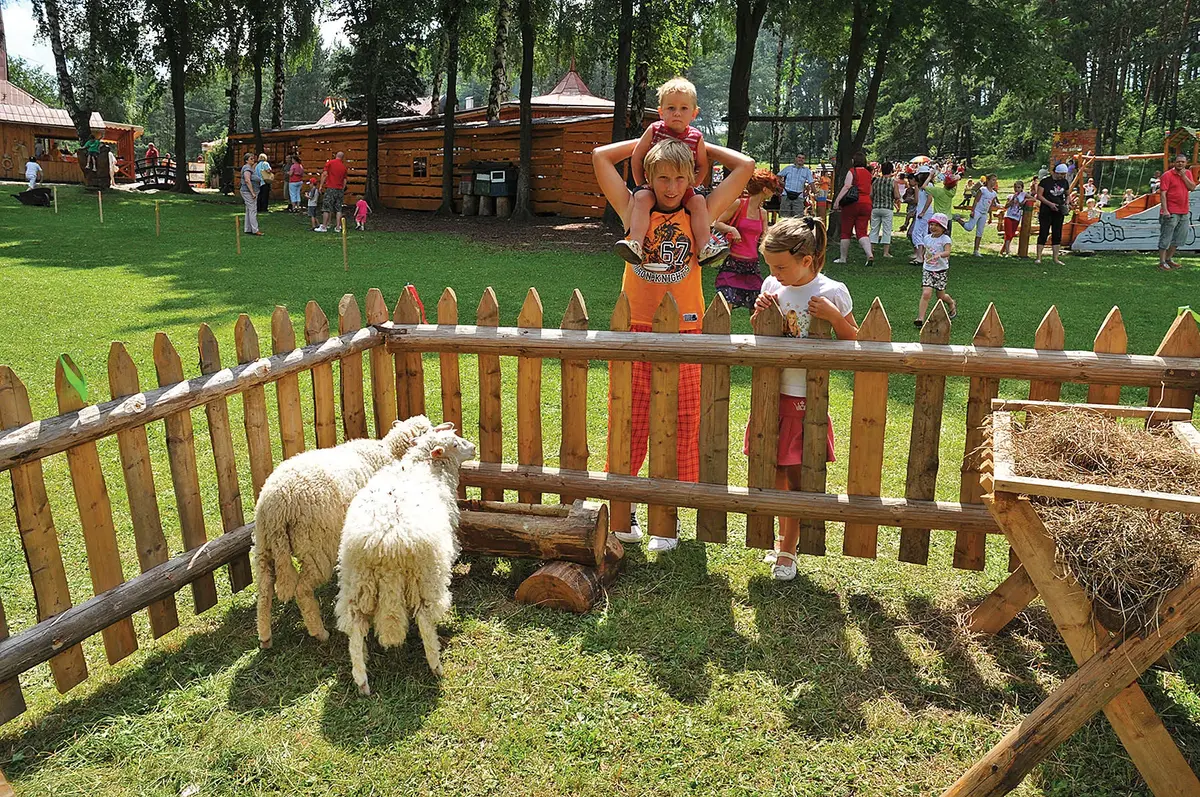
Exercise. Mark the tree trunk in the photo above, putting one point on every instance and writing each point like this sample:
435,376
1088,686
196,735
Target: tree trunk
637,99
749,20
439,62
886,36
81,117
3,51
778,107
793,64
91,90
277,89
371,194
233,62
177,47
620,124
453,14
859,28
523,209
257,53
499,70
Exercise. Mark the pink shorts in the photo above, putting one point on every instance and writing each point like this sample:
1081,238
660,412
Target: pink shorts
791,433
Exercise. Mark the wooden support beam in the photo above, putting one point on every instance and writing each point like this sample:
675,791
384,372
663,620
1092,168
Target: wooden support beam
1003,604
1111,410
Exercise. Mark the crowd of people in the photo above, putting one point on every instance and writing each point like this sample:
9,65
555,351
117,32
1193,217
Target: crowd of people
324,197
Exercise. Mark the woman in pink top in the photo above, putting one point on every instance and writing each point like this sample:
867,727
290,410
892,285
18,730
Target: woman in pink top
295,182
740,278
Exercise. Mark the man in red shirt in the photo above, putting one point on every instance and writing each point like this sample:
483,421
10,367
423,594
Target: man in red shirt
333,183
1173,220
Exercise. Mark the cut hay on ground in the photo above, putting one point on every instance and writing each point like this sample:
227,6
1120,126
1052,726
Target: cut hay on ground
1126,558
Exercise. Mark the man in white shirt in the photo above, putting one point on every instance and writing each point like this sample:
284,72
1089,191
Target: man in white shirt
796,181
33,172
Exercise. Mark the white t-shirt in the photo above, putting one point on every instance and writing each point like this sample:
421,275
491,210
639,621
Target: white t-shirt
922,198
933,246
32,169
793,302
1017,208
986,197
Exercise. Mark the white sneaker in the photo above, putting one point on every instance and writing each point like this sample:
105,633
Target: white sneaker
629,250
716,249
635,529
320,228
660,544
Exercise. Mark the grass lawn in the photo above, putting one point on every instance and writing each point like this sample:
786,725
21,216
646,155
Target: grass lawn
699,675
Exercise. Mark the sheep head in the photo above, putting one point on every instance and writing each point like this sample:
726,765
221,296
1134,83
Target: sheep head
404,433
444,446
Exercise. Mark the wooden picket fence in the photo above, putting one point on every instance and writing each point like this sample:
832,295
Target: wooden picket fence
394,343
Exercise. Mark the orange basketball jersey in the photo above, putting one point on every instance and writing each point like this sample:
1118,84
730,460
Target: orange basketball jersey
669,265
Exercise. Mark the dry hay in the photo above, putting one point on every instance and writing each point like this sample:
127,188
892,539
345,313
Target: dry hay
1126,558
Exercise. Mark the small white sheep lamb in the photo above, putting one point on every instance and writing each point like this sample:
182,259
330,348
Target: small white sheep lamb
300,513
398,547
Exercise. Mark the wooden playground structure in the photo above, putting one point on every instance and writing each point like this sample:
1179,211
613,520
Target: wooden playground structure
568,535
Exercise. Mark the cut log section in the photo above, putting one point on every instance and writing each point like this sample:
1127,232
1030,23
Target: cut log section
570,586
531,531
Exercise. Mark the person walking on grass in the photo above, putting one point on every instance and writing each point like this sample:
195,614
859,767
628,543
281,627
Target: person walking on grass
265,176
797,180
1052,194
856,214
989,191
33,172
249,189
885,197
936,268
1173,222
739,279
333,183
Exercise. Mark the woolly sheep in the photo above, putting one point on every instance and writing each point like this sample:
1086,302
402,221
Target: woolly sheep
300,513
398,546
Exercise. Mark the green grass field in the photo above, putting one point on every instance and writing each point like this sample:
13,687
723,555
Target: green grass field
698,675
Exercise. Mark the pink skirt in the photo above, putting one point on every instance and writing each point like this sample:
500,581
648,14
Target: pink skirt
791,433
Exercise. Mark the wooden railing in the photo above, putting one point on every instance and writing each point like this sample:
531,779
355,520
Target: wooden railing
395,343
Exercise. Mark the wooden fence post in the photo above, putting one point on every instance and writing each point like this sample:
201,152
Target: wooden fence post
95,516
529,396
620,408
1181,340
220,434
383,377
254,408
410,371
350,374
1050,336
450,377
1026,229
316,330
573,448
181,452
287,388
12,701
868,427
816,443
491,430
664,421
1111,339
711,525
764,430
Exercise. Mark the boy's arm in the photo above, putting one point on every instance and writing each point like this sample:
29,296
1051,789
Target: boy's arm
741,166
611,182
638,156
702,164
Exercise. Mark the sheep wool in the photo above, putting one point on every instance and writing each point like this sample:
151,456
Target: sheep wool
299,516
398,546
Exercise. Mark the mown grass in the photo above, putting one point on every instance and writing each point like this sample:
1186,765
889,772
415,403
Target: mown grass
698,674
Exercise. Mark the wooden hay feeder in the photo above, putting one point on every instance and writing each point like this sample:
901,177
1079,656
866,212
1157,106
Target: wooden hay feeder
1108,665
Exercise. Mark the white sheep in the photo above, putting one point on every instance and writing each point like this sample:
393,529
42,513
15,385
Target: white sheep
300,512
398,547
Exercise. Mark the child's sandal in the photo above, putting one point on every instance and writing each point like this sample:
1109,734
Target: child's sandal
782,571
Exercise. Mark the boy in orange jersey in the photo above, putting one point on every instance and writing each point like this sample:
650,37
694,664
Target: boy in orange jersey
670,264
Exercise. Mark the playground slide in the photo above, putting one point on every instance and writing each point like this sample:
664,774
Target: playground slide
1136,232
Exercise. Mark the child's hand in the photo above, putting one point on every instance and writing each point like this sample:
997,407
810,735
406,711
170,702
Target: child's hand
764,301
733,235
821,307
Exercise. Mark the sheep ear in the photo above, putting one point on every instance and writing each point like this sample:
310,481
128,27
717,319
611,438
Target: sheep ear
438,452
448,426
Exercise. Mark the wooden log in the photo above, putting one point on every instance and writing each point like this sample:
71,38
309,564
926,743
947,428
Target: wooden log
1026,231
450,379
12,701
503,207
529,395
470,205
620,415
383,375
1181,340
1110,410
764,429
573,445
254,408
711,525
39,539
816,446
923,458
287,389
181,453
868,428
487,206
95,516
350,373
1003,604
664,422
1111,339
410,372
316,331
578,536
491,430
34,441
29,648
834,355
140,489
229,490
570,586
970,550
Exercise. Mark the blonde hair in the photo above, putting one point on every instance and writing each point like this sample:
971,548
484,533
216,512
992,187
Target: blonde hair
677,85
667,154
798,236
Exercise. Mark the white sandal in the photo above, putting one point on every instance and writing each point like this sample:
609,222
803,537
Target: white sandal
784,572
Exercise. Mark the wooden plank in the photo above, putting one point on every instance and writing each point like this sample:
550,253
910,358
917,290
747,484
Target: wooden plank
491,431
254,408
287,389
12,701
529,396
229,490
620,414
764,429
316,330
350,373
1146,499
923,456
410,398
1181,340
1110,410
181,453
451,382
664,420
1111,339
970,550
39,539
383,375
95,516
711,525
1187,434
1050,335
868,427
1003,604
573,447
140,488
816,453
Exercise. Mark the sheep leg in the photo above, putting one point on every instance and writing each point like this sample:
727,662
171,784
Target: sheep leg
358,626
391,611
266,592
311,612
427,624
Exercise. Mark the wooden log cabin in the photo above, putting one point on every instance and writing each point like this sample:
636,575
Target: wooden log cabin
568,123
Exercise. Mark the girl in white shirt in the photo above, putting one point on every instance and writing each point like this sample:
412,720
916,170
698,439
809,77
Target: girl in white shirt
795,251
988,191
